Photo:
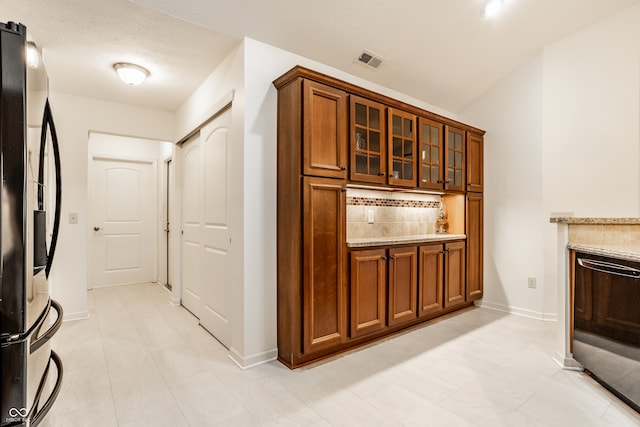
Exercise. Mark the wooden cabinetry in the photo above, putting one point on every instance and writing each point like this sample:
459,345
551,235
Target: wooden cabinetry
403,285
454,273
431,281
475,162
368,290
474,227
368,141
324,311
325,130
331,298
442,272
430,143
402,148
455,159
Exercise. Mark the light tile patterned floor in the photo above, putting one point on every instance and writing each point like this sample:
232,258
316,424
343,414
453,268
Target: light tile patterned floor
140,362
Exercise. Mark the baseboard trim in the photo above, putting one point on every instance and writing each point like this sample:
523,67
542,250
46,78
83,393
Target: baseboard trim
81,315
551,317
254,360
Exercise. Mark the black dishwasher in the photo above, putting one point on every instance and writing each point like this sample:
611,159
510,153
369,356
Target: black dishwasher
606,311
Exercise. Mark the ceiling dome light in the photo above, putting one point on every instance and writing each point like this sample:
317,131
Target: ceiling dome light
491,8
33,56
131,74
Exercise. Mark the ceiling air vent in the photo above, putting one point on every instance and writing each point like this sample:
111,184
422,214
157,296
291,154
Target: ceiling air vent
370,59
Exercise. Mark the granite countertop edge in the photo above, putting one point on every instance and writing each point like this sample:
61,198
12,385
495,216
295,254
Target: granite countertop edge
628,252
595,221
404,240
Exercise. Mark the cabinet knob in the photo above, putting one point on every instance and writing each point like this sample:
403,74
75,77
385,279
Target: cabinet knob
383,174
393,257
384,258
439,181
343,189
343,168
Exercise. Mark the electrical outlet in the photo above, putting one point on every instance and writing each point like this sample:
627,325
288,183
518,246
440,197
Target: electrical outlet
370,216
531,282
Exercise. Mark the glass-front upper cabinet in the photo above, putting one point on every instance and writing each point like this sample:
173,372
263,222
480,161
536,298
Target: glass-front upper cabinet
430,168
368,144
402,148
454,158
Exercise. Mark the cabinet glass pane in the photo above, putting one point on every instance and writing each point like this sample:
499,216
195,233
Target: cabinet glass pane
374,162
408,148
458,177
435,155
361,139
424,134
397,147
435,172
374,141
374,118
426,173
408,128
451,142
435,133
361,114
397,125
458,142
450,175
426,153
361,163
408,170
450,162
458,160
397,169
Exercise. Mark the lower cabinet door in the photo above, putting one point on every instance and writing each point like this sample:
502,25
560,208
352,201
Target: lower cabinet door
403,285
454,287
431,279
368,291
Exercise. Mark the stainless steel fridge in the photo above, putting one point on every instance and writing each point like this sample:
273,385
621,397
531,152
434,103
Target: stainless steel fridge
30,217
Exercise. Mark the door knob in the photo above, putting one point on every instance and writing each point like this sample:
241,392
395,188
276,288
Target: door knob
96,228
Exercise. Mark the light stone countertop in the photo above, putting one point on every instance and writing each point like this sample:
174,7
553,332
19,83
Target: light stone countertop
595,221
403,240
628,251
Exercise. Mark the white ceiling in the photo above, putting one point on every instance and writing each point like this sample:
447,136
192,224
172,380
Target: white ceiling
440,51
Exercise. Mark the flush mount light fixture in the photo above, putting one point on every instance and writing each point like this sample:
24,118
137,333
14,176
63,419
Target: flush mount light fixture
33,56
131,74
491,8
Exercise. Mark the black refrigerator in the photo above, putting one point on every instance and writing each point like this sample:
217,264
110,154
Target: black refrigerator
30,218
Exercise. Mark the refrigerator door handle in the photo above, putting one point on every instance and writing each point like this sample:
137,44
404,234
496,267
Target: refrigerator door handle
37,413
40,341
47,122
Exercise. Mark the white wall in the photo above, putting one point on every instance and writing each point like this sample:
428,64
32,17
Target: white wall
563,135
511,113
75,117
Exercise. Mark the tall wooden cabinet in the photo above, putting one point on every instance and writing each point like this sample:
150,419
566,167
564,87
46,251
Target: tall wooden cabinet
332,296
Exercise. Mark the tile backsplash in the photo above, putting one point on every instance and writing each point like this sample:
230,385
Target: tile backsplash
394,214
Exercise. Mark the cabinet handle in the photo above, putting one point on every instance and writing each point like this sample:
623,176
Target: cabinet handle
343,168
439,181
383,174
384,258
343,189
393,257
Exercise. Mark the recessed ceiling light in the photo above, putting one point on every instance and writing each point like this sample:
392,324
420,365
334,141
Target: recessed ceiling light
491,8
131,74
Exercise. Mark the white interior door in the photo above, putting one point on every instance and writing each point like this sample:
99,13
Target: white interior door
206,235
123,240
